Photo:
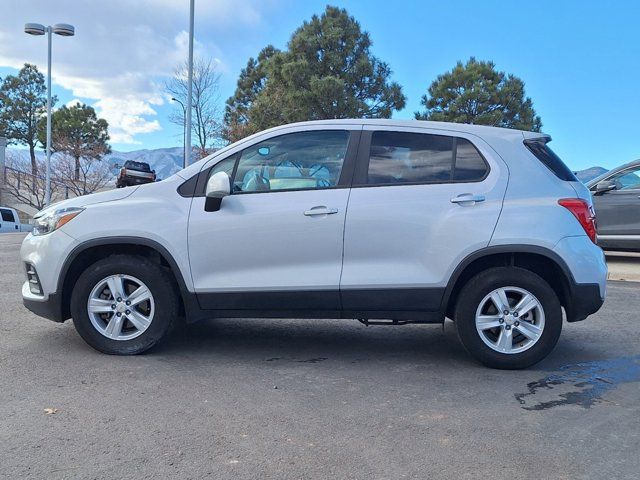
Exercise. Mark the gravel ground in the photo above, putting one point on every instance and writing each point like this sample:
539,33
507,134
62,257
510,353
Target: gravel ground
307,399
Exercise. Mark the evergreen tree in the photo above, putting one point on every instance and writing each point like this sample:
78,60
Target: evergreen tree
78,132
327,71
250,84
479,94
23,101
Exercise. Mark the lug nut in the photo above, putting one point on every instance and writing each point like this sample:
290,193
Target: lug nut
506,312
501,320
508,327
515,314
517,323
128,302
119,314
127,312
119,299
113,306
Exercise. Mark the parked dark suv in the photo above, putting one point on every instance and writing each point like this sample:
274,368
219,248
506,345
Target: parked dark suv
135,173
616,198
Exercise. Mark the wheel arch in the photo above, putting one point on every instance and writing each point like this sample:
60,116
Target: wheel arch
540,260
91,251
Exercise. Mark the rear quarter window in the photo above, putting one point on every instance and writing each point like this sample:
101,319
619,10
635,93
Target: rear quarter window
549,159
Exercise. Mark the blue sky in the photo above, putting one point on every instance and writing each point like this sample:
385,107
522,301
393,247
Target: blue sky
579,59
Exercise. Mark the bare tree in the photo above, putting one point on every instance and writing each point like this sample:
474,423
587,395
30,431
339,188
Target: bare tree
29,189
24,186
82,177
206,115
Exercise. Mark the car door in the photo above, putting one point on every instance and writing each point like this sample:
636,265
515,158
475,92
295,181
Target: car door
618,210
276,242
8,222
421,201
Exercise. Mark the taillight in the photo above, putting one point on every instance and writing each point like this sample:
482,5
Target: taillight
584,213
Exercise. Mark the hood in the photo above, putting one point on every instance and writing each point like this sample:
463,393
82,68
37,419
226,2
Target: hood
91,199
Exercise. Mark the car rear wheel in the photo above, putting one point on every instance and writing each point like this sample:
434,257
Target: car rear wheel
123,304
508,318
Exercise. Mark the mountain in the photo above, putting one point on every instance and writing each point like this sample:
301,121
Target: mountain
590,173
165,161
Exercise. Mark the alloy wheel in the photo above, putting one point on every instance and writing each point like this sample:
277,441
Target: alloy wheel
121,307
510,320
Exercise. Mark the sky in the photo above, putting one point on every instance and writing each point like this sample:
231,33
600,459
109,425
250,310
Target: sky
580,60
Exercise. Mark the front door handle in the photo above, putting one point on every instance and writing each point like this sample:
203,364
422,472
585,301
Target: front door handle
468,199
320,210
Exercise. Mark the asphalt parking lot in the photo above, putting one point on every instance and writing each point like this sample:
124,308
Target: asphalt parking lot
307,399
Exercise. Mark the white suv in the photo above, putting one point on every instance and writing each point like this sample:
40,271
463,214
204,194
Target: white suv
378,220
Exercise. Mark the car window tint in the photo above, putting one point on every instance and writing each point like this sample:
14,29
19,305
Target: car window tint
627,180
402,157
469,166
7,215
304,160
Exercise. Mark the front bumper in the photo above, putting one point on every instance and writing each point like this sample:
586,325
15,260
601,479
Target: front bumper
49,307
46,253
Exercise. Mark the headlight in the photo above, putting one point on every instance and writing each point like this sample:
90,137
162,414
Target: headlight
54,219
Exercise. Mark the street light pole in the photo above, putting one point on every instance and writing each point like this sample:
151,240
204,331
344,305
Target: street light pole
187,143
184,131
47,191
64,30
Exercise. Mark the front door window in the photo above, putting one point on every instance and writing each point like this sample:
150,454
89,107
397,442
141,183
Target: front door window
303,160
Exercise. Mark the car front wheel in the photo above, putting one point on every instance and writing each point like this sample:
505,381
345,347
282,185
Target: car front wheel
508,318
123,304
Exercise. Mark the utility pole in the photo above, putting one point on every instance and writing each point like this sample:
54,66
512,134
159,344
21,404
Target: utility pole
187,143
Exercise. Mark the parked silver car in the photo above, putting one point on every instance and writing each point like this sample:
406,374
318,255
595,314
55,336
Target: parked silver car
377,220
616,197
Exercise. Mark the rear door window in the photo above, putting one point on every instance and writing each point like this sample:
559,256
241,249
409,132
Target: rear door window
419,158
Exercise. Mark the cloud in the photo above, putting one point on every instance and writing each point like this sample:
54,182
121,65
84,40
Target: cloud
123,50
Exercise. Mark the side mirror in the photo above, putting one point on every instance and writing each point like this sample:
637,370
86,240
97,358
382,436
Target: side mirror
604,186
218,187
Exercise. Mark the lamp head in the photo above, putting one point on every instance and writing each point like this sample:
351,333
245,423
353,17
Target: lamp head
34,29
64,29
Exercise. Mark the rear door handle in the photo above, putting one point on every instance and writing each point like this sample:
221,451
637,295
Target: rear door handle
468,198
320,210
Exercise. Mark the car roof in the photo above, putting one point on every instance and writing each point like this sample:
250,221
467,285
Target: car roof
482,131
479,130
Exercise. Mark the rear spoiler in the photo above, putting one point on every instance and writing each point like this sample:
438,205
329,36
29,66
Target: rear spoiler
533,137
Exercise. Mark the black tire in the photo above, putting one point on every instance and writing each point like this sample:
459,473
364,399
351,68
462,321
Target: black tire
486,282
153,276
